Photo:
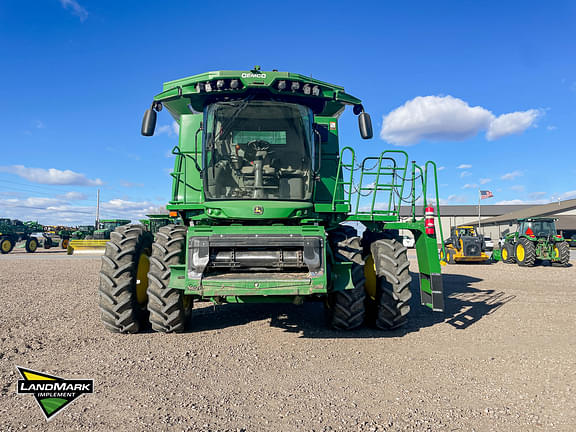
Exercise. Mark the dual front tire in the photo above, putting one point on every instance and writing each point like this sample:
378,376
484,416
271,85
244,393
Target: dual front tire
381,291
134,280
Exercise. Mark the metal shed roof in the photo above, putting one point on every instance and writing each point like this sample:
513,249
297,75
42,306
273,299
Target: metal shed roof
533,211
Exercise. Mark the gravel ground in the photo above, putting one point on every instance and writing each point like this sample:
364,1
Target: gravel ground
501,358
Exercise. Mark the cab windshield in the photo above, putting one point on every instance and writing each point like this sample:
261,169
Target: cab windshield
466,231
542,228
258,150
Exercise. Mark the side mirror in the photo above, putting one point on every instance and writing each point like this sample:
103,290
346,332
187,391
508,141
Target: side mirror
149,122
365,125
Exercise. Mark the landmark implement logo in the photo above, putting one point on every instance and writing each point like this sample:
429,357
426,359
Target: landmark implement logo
52,393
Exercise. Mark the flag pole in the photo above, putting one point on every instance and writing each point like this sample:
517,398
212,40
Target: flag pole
479,198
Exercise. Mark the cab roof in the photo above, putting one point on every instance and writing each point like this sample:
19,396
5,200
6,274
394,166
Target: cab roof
191,94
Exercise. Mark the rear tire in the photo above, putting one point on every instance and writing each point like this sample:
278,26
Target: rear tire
31,245
122,303
64,243
525,253
6,245
563,253
393,283
169,308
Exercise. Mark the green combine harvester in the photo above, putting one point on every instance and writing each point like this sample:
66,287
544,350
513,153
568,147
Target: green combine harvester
268,198
535,239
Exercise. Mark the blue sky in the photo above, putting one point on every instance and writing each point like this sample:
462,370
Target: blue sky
485,89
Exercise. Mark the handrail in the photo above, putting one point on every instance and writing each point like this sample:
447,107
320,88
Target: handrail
178,174
437,201
339,174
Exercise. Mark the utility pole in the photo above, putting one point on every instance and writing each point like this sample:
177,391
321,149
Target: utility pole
97,209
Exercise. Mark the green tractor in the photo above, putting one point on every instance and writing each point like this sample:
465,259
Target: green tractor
13,231
270,205
535,239
106,226
57,235
83,232
157,221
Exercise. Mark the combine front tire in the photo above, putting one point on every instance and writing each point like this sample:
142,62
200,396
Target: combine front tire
123,279
31,245
525,253
169,308
347,308
6,245
562,253
393,279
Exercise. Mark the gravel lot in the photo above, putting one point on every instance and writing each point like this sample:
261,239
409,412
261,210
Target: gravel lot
501,358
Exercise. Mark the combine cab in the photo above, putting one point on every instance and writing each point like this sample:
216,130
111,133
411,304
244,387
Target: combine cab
267,198
535,239
464,245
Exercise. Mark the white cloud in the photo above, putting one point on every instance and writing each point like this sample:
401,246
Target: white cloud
564,196
60,210
511,124
485,180
465,174
464,166
77,196
551,128
442,168
40,124
512,175
470,186
76,9
518,188
51,176
169,130
446,118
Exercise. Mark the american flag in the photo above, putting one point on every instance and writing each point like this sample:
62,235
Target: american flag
486,194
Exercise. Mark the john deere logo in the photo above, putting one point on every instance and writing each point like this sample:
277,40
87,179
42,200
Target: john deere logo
258,210
52,393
